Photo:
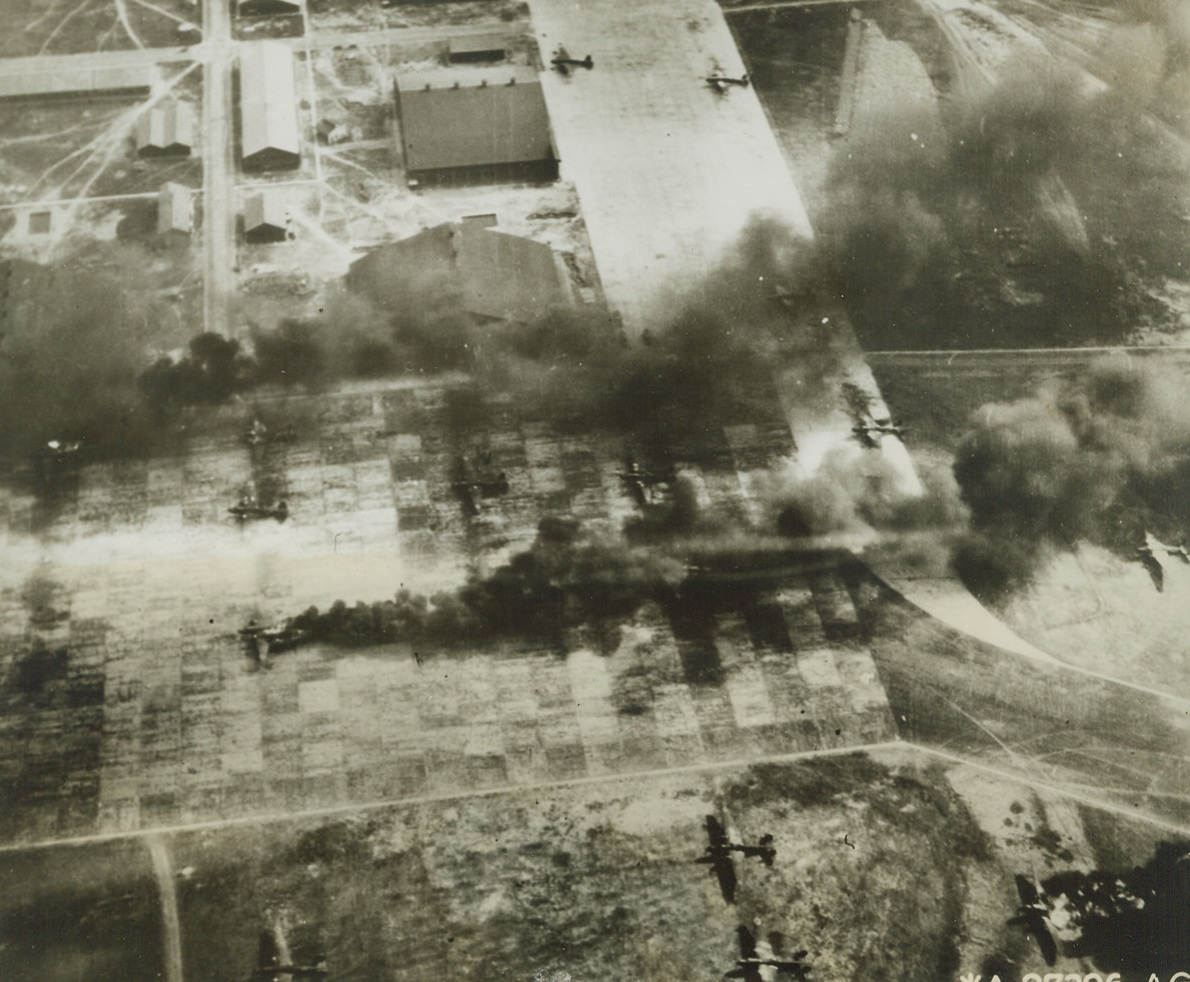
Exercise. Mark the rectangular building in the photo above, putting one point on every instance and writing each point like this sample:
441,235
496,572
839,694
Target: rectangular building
475,48
266,218
264,8
74,82
270,137
175,209
475,126
165,130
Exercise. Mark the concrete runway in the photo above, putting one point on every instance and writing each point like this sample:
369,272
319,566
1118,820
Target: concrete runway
668,171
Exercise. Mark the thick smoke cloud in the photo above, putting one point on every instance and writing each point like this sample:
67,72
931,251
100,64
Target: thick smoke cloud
353,338
1131,922
860,500
212,370
69,364
1100,458
995,223
708,366
1028,124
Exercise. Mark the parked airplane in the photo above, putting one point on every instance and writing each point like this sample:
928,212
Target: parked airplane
870,432
718,852
59,449
721,83
640,482
279,637
718,842
249,508
258,433
477,478
53,463
563,62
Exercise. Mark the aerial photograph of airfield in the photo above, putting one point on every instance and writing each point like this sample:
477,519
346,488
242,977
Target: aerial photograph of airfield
570,490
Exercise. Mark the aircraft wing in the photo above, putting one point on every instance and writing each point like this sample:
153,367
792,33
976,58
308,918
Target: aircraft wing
1033,922
724,870
1156,570
716,834
1027,891
1047,944
1031,918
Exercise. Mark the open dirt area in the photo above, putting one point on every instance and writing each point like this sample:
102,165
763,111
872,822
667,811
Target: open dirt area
58,151
362,15
56,27
593,881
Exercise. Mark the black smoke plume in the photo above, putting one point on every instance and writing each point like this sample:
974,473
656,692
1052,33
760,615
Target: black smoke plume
680,382
1029,211
212,370
1136,923
567,578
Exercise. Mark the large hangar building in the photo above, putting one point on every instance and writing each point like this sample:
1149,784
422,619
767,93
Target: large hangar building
475,126
489,275
270,137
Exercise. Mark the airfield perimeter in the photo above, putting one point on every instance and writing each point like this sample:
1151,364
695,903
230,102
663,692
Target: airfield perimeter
164,731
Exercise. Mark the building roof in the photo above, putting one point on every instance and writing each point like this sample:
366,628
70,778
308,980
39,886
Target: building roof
167,126
248,8
268,100
265,208
175,208
489,273
472,117
69,81
476,44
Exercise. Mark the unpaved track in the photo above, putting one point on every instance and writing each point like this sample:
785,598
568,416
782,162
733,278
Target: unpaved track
171,924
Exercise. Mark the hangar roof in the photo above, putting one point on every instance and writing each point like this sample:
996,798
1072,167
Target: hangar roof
471,117
268,99
491,274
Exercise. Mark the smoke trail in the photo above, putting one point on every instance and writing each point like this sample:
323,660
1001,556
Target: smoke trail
566,578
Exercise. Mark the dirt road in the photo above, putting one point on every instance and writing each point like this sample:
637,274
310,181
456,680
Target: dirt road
171,925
